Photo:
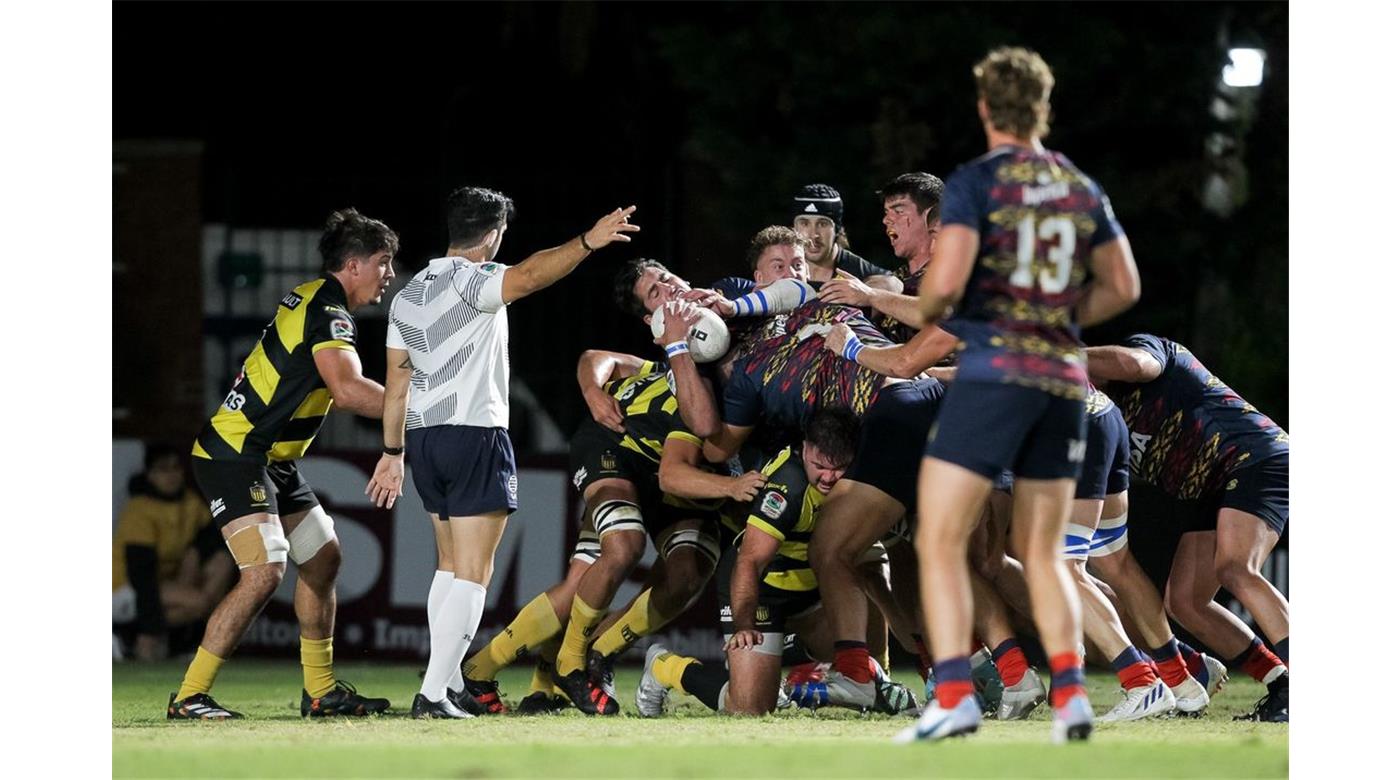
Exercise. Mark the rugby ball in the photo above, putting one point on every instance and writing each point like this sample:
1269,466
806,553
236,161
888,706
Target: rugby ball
708,338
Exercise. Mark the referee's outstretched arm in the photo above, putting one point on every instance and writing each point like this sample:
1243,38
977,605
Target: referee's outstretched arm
546,267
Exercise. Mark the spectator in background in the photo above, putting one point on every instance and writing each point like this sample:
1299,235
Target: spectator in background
169,565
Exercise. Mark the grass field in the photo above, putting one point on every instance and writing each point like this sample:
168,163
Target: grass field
275,742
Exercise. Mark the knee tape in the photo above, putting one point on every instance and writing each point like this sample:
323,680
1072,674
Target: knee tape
705,543
1077,538
257,544
1110,537
613,516
587,549
311,534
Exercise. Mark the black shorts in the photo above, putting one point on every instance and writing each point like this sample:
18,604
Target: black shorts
237,488
1260,489
987,427
775,605
597,453
892,437
1105,471
463,470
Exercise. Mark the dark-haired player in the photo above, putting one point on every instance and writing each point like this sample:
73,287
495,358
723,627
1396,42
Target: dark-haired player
448,404
245,465
817,214
1198,440
1030,251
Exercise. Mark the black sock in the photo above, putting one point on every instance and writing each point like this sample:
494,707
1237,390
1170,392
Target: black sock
705,682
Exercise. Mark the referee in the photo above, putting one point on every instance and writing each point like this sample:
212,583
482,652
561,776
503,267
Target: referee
447,340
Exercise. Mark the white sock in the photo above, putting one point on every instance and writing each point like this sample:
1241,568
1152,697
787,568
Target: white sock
442,583
452,632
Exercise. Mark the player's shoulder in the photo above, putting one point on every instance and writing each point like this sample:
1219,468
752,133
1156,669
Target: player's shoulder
785,468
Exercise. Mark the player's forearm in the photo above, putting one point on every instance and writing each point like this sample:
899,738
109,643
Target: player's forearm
696,402
889,361
683,480
1103,302
360,395
779,297
548,266
743,593
884,283
395,416
1113,364
904,308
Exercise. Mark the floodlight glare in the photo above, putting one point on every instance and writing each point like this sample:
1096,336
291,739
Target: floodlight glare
1246,68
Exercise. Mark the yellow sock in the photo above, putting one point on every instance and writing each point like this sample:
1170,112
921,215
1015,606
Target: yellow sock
641,619
668,668
535,624
199,678
582,620
316,674
544,669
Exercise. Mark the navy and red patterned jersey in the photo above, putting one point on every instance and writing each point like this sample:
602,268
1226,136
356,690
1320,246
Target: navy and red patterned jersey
1189,430
782,381
1037,217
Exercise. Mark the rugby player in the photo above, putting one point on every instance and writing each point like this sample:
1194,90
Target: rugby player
245,465
912,204
817,213
1198,440
767,588
448,341
1035,246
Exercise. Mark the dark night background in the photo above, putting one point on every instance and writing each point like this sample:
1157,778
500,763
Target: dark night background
707,116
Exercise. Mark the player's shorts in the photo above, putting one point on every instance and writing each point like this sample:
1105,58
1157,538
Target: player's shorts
1260,489
237,488
463,470
1105,471
776,606
987,427
597,453
892,436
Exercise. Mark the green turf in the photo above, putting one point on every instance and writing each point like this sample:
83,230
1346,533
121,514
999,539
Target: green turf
275,742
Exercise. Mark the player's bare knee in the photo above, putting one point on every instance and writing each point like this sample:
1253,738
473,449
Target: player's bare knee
622,548
260,581
1234,573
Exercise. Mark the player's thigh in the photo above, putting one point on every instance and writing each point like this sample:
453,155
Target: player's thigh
951,497
1039,516
1242,538
854,517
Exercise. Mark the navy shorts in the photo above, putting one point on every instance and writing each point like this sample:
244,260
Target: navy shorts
987,427
463,470
1260,490
1105,471
892,436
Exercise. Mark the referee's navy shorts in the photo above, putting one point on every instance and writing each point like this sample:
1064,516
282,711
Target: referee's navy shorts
988,428
463,470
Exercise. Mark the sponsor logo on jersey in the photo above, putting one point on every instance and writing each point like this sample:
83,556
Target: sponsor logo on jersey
292,300
342,330
234,400
490,268
608,462
761,614
773,505
258,493
1234,483
1076,450
216,507
512,485
580,476
1140,442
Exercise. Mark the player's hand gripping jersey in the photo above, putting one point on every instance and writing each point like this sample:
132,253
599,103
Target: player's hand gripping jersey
1038,217
279,401
1189,431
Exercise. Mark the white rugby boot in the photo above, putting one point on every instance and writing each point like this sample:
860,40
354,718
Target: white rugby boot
1144,701
651,694
1018,700
837,689
1216,673
1191,698
1074,721
937,723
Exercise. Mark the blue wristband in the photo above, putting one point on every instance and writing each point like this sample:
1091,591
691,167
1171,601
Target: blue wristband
677,348
853,348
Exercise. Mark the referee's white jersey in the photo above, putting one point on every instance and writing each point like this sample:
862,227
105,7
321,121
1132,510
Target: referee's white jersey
452,321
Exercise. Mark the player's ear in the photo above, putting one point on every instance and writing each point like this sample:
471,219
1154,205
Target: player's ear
647,319
982,110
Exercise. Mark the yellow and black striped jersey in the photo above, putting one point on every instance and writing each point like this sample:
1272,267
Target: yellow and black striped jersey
650,412
786,509
278,401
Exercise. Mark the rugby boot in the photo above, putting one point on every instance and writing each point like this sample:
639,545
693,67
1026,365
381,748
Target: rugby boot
446,709
937,723
587,697
541,703
836,689
1273,708
986,680
343,699
1018,700
1191,698
1144,701
1216,674
199,706
600,672
892,698
651,694
1074,721
478,697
